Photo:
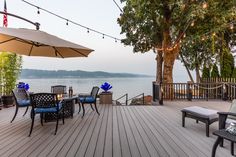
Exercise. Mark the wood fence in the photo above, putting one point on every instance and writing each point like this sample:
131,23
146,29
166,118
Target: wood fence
173,91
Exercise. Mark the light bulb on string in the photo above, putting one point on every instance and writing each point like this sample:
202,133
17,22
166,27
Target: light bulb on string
204,5
192,24
231,26
67,22
38,11
115,40
213,34
87,30
103,36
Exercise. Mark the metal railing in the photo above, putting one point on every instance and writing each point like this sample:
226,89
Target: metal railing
127,99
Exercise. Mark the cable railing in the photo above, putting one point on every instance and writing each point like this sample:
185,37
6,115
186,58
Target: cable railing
127,99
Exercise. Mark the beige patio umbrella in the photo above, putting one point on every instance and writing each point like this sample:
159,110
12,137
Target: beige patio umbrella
38,43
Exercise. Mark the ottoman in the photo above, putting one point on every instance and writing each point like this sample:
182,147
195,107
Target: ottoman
207,116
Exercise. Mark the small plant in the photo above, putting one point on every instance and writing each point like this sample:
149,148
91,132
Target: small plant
23,85
106,86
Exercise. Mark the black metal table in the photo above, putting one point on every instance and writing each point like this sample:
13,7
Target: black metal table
223,134
68,104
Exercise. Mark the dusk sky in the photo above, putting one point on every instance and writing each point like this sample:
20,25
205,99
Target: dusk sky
99,15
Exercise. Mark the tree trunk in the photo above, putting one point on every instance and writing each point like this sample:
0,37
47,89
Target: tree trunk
159,59
169,60
197,74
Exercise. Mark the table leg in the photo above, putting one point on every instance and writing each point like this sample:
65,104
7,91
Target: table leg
218,140
183,118
207,128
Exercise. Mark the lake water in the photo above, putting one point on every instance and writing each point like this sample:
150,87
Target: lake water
132,86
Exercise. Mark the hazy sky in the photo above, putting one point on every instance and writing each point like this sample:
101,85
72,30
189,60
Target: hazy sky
97,14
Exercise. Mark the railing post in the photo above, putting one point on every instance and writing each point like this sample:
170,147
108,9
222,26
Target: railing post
160,94
225,95
143,98
126,99
189,91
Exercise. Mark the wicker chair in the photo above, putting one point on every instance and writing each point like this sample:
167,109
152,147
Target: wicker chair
21,100
45,103
89,99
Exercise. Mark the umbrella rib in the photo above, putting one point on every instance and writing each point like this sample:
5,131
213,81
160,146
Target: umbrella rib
79,52
7,40
31,49
57,52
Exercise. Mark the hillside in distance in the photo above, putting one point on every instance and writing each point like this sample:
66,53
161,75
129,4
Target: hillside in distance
33,73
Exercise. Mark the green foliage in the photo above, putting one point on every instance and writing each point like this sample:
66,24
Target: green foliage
10,66
227,63
205,72
234,73
146,22
215,72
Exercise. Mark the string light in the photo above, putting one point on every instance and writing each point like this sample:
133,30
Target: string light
231,26
38,11
204,5
213,33
103,36
192,24
68,20
116,40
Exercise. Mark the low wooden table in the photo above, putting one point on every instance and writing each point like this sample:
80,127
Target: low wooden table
105,97
204,115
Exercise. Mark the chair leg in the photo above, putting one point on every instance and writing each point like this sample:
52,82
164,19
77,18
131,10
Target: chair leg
57,124
79,107
15,114
218,140
96,108
63,115
83,109
26,110
41,118
92,107
32,124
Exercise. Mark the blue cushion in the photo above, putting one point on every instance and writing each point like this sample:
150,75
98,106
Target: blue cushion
45,110
88,99
23,103
49,109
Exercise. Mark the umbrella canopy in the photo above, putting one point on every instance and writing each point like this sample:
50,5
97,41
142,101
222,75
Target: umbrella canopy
38,43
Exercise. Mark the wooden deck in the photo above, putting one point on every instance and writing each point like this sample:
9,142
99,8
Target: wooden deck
137,131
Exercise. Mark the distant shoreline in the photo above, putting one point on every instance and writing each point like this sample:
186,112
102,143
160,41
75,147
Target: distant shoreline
64,74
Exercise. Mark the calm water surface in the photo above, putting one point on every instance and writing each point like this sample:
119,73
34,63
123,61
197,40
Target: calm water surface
132,86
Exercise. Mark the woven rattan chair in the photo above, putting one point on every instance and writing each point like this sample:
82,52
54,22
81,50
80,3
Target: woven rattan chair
21,100
89,99
45,103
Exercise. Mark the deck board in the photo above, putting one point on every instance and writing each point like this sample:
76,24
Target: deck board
119,131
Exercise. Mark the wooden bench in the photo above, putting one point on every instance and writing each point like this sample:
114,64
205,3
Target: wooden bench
204,115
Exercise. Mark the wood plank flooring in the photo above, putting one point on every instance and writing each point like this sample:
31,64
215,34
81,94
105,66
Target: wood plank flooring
119,131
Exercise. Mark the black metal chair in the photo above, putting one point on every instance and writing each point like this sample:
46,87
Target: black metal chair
89,99
21,100
59,89
45,103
